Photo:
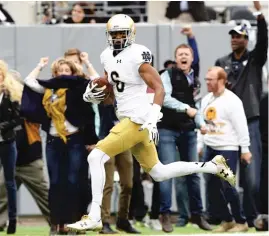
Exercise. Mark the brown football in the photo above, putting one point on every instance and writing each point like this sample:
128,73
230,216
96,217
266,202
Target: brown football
102,82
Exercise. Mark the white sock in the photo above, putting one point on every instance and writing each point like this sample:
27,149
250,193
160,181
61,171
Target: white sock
162,172
96,160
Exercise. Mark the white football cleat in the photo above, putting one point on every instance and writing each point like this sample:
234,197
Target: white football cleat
224,172
86,223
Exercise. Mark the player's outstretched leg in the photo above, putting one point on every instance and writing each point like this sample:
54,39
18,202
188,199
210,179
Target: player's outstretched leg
96,159
217,166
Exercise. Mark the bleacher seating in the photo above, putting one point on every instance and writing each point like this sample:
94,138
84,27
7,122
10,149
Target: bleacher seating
102,10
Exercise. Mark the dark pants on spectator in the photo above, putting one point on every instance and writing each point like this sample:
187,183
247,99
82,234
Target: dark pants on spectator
33,178
85,186
64,164
220,192
250,174
155,203
137,209
186,142
264,185
8,157
182,198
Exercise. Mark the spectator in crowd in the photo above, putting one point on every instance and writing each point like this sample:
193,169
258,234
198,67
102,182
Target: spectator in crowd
177,131
124,164
187,11
182,197
58,105
227,131
81,59
10,97
244,70
181,183
261,223
54,12
81,13
29,170
46,13
187,30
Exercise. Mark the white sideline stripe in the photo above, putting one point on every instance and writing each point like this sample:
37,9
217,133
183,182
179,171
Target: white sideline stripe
222,234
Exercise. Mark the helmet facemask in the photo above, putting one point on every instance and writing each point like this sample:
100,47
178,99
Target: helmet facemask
119,39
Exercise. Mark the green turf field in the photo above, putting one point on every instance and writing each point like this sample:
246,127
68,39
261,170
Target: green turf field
189,230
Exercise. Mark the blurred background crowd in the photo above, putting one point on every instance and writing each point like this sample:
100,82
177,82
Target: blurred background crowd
49,12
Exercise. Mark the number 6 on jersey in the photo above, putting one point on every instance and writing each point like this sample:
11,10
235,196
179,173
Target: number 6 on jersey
119,85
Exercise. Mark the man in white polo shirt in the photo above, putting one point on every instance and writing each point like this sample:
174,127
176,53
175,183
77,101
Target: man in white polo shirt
227,132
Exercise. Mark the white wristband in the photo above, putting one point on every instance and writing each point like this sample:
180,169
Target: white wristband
155,112
244,149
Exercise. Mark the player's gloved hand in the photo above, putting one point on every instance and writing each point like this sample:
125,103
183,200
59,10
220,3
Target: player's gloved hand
151,123
93,95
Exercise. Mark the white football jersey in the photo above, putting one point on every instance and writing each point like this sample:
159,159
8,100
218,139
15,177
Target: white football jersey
129,88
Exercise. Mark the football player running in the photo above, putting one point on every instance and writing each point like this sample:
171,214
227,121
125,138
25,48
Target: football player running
128,69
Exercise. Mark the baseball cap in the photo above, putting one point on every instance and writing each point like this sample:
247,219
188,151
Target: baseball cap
240,29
